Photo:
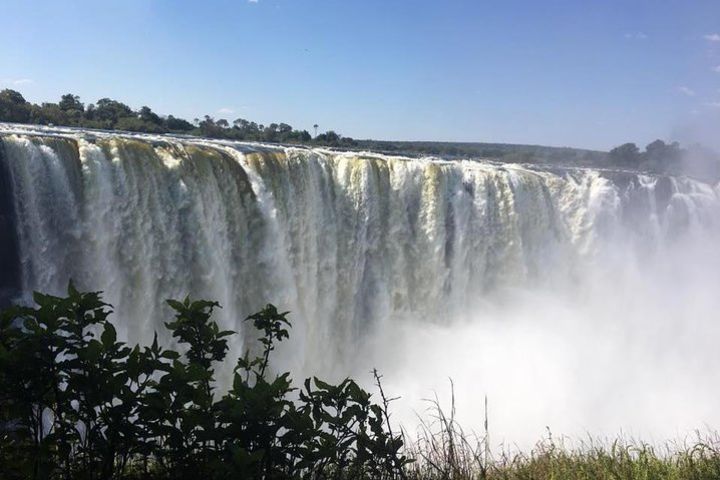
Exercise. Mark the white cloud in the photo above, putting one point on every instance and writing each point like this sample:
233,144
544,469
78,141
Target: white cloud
716,69
686,91
253,1
226,111
713,104
16,82
636,35
712,37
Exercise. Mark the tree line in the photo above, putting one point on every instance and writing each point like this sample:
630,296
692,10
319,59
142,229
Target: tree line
669,158
76,403
108,114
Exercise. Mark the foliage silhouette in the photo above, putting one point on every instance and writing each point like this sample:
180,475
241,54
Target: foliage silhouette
76,403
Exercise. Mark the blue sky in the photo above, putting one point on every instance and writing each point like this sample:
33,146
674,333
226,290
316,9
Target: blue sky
579,73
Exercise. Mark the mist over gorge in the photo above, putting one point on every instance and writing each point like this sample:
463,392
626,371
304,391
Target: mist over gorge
575,298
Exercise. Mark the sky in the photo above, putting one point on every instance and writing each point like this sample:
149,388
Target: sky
591,73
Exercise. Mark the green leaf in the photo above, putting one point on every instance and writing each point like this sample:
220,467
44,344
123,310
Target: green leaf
178,306
170,354
322,385
93,350
109,336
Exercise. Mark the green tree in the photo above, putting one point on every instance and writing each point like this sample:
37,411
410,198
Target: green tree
147,115
663,157
626,154
209,128
111,111
14,107
178,124
270,133
49,113
135,124
70,102
328,138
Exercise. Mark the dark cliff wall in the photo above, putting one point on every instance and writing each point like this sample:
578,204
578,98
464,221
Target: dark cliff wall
9,253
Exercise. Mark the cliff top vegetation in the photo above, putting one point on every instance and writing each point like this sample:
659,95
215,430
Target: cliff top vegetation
108,114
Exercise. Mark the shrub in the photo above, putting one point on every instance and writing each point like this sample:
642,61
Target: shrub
77,403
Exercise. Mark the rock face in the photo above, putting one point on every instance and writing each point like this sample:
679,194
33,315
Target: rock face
9,254
347,242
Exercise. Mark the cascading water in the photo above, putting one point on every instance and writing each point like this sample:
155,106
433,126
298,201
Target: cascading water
514,280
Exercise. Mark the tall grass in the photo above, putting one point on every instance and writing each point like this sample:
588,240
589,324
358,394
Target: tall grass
443,450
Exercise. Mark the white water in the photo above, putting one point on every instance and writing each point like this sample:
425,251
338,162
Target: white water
580,300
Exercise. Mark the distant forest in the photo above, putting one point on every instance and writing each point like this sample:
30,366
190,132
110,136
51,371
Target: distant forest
108,114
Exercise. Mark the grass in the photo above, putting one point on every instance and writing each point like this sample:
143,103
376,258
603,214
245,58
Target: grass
443,450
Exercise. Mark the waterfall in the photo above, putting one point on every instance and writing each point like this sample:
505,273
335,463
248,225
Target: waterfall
353,244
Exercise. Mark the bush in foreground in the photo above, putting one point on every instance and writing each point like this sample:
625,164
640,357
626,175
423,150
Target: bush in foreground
76,403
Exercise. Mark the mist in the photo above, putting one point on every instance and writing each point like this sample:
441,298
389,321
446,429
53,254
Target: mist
632,347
